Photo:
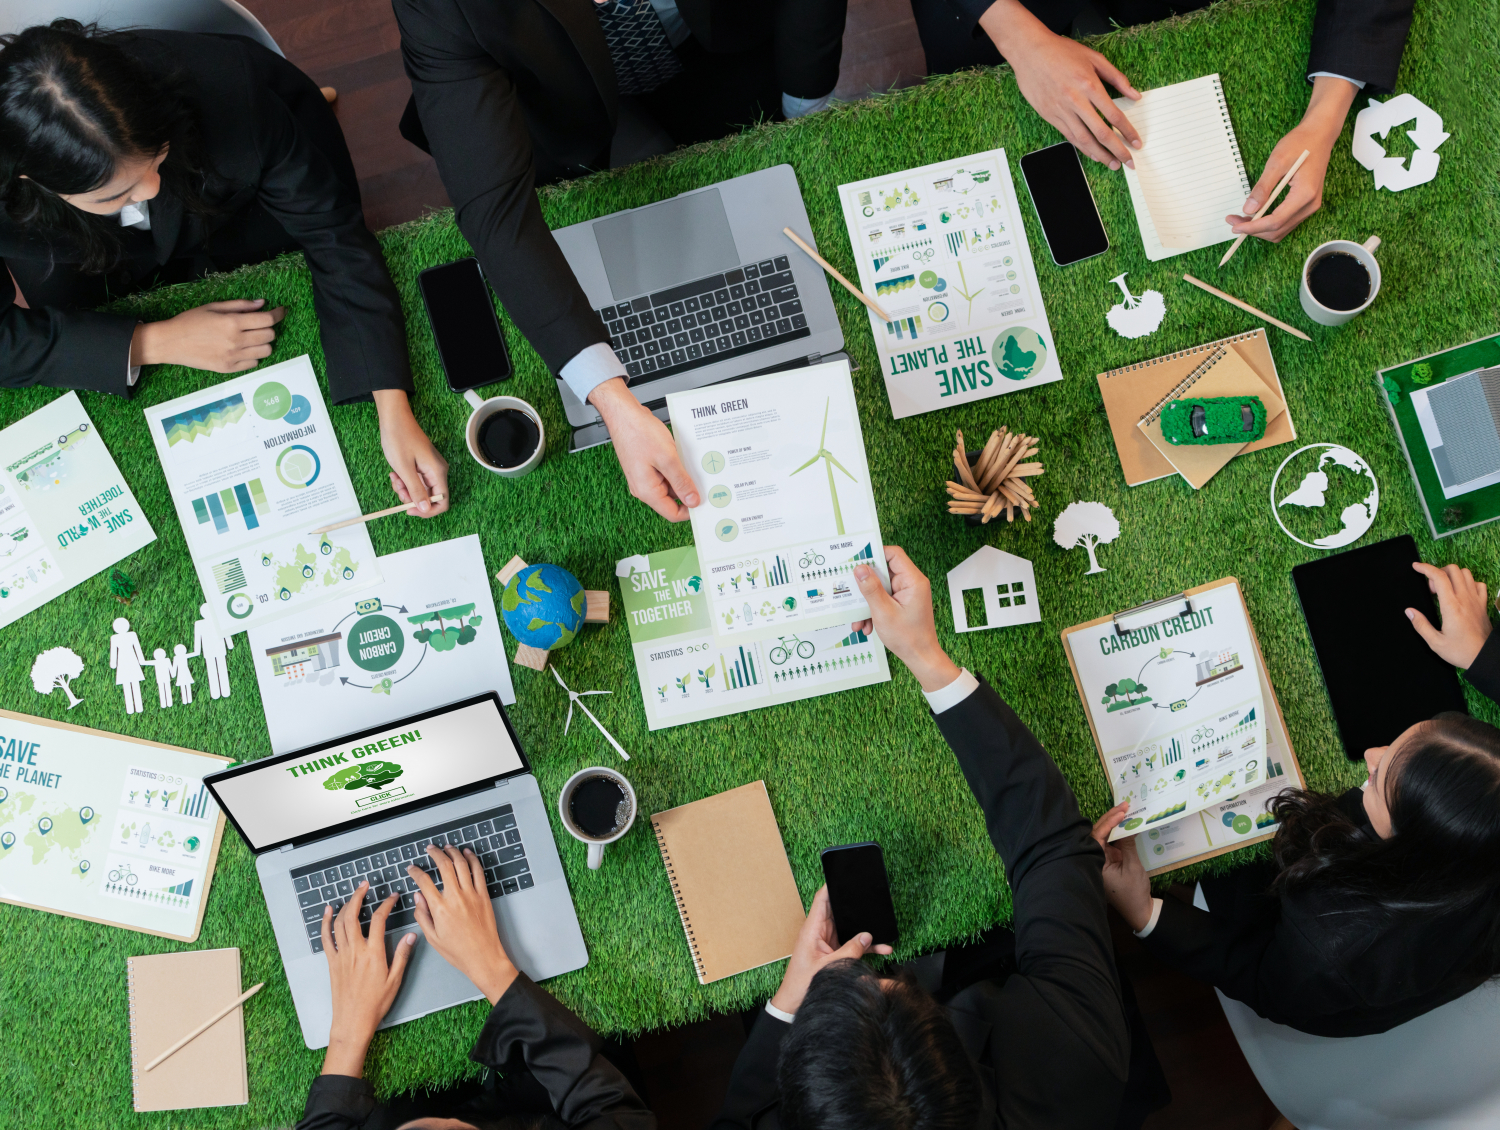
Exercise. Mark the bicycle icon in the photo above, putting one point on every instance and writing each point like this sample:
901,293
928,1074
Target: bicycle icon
124,875
784,649
810,558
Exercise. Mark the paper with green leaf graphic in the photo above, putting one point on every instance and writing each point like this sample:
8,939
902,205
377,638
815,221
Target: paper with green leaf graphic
686,677
253,465
943,250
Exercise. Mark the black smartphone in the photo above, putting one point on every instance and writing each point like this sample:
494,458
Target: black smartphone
460,311
859,893
1064,204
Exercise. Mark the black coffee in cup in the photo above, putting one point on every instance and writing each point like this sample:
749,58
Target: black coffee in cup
599,807
508,438
1339,281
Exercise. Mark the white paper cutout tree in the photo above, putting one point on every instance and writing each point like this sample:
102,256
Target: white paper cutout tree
1136,316
57,667
1086,524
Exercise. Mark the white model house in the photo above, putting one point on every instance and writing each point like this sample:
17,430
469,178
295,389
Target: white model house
1008,583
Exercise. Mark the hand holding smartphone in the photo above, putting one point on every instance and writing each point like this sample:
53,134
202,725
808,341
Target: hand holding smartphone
859,893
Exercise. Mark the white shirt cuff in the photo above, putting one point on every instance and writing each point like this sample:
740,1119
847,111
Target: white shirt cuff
1358,85
784,1017
954,693
590,368
133,375
1150,922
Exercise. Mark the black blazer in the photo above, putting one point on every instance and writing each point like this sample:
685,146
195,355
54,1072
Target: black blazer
508,94
1050,1040
273,151
1323,964
528,1030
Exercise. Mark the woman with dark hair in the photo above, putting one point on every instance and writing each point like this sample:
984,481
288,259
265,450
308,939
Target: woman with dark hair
133,159
1382,903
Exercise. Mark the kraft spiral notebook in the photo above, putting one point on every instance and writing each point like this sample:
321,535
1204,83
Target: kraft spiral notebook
1131,391
171,994
731,881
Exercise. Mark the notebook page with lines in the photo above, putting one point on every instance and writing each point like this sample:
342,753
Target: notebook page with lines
1188,173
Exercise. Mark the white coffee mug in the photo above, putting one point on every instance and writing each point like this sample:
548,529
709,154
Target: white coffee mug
595,844
1365,253
483,410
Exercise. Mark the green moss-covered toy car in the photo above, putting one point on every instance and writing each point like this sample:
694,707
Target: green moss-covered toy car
1214,419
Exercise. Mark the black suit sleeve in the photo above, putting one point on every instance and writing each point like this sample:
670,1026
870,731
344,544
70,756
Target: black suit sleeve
1361,39
62,347
1484,673
752,1085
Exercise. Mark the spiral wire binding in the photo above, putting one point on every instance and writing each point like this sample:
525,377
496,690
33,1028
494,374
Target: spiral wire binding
1162,360
135,1098
1186,383
687,927
1234,142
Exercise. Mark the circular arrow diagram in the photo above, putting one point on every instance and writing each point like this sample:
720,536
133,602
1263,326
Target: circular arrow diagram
1380,118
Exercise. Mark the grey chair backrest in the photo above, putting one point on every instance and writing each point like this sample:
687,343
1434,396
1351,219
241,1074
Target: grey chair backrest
226,16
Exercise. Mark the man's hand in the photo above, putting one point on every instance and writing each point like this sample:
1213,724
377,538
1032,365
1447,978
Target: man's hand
417,470
1465,607
817,945
1317,132
363,985
460,922
646,451
222,337
1064,82
1125,882
903,618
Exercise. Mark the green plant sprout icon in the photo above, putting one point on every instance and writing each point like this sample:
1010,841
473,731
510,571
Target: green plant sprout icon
830,463
682,683
662,692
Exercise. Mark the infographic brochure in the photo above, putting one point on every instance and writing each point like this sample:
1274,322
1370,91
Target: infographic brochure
98,826
685,676
787,512
253,465
943,250
426,635
1177,708
66,512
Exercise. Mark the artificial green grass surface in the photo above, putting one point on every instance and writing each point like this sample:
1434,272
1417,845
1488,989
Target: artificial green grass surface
866,764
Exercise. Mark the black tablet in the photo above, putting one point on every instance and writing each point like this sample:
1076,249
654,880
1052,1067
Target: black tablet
1381,676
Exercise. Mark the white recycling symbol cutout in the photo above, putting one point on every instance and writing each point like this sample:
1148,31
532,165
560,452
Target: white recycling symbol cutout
1381,117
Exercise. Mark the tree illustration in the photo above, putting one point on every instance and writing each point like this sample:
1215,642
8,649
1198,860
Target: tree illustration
445,637
121,587
57,667
1086,524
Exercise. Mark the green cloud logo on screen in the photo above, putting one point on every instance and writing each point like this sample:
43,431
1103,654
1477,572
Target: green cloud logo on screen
371,775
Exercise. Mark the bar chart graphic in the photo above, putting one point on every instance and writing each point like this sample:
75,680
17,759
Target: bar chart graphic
741,673
183,889
905,328
245,499
195,804
1172,752
866,554
852,639
776,573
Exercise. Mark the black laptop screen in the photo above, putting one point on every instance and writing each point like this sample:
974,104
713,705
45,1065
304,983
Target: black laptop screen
302,795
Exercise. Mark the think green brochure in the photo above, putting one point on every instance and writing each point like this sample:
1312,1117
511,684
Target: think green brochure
686,677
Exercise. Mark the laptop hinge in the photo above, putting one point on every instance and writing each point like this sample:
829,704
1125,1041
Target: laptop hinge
502,783
814,358
287,847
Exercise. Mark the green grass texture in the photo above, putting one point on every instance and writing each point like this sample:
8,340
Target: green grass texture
866,764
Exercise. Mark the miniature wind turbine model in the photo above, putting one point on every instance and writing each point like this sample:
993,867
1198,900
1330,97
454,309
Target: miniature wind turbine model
830,462
577,697
1135,317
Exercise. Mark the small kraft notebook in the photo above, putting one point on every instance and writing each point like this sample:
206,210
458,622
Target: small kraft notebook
730,877
1132,391
1188,172
171,994
1223,374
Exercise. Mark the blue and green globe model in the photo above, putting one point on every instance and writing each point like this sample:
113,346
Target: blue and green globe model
543,606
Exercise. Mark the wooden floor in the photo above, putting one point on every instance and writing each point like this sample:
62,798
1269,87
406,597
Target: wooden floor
353,45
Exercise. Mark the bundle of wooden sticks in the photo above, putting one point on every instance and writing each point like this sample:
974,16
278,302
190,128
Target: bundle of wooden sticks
997,481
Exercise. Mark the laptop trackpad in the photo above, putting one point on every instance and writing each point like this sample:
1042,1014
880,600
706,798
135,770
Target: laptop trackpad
676,241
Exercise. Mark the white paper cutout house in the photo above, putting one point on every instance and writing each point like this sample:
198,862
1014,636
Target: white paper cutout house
1008,583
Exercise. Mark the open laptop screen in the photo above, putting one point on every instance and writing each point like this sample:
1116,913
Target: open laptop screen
312,792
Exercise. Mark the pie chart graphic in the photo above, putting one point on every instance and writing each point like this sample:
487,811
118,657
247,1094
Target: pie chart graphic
298,466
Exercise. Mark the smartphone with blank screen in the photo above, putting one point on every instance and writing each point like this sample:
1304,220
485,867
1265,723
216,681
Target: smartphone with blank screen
470,343
1064,204
859,893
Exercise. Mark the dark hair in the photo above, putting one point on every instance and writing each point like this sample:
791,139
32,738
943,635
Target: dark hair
1443,854
73,104
867,1056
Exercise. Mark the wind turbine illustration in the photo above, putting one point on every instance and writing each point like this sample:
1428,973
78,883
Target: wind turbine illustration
830,463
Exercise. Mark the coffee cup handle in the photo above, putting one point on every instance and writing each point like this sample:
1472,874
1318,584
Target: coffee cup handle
476,401
1371,244
596,856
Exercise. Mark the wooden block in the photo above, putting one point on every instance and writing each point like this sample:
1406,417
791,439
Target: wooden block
596,611
533,657
512,567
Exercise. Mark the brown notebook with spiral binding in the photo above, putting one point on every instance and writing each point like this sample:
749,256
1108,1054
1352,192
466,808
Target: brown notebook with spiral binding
731,880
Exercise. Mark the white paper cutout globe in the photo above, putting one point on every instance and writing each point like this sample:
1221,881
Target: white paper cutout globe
1311,486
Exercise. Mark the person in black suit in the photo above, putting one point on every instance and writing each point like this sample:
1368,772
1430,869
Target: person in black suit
1383,903
553,1073
1035,1037
510,94
1355,44
131,159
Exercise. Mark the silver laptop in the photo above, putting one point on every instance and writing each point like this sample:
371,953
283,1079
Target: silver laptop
325,818
702,288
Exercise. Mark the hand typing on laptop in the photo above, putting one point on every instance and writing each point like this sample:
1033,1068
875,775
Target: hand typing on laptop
459,920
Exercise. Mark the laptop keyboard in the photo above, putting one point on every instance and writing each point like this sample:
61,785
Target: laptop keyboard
726,315
492,836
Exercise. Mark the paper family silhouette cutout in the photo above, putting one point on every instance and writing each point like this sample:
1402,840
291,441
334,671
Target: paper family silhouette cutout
1007,582
128,661
1136,316
1380,118
1086,524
